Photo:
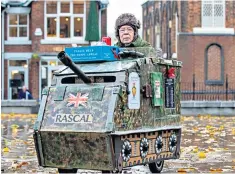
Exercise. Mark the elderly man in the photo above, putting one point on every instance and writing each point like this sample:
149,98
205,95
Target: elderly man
126,31
25,94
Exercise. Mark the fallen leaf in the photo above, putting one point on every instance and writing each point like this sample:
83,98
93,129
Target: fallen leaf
201,155
195,150
233,131
180,170
216,170
195,128
24,163
210,149
6,149
14,126
208,127
221,127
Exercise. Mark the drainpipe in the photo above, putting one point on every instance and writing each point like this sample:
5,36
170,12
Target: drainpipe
3,54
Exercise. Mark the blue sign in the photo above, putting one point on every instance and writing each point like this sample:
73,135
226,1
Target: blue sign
93,53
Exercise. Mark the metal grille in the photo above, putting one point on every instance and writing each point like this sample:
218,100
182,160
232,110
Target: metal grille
213,13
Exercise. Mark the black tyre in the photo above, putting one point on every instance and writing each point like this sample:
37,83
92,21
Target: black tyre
156,167
67,170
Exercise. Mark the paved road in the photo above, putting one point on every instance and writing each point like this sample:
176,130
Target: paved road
208,145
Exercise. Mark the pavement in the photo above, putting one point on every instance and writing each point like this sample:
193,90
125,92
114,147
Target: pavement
207,146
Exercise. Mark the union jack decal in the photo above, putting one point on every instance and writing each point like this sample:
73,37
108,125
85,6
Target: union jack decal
77,100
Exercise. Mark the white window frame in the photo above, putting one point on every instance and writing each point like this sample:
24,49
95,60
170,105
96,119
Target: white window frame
18,26
213,2
19,68
57,16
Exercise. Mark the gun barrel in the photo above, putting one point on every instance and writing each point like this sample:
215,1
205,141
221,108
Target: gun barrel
65,59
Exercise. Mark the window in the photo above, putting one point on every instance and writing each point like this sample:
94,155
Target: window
65,19
213,13
18,26
18,63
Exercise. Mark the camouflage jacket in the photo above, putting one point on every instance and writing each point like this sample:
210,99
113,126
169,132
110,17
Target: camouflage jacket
137,43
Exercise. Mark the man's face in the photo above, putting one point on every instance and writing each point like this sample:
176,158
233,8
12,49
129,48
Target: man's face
126,34
24,88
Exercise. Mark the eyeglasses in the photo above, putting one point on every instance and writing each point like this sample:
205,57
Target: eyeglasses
129,30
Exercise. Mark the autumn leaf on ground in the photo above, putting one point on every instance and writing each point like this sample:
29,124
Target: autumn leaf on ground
14,126
209,141
215,170
6,149
221,128
181,170
233,131
201,155
210,149
195,150
208,127
195,129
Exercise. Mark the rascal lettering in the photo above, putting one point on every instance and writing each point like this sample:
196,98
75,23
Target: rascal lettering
73,118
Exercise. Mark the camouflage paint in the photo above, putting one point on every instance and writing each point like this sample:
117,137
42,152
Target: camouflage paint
148,116
97,106
77,150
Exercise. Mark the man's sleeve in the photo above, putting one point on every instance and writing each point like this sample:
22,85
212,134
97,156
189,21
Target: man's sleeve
30,96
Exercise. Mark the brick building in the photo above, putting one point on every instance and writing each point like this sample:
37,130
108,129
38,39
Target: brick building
199,33
34,32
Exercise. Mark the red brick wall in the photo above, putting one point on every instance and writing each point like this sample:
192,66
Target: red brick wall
192,54
37,16
173,32
103,23
163,33
34,77
17,48
230,14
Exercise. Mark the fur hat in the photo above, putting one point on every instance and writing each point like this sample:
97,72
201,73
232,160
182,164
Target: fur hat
127,19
